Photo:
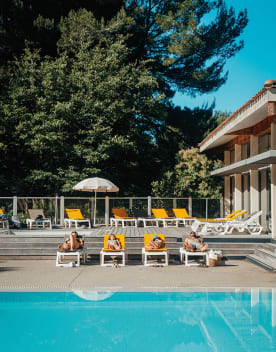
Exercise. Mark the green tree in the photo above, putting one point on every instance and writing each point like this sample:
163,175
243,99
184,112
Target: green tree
190,177
188,41
37,22
81,114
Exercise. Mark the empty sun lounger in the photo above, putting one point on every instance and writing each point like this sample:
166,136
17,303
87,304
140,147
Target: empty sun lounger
182,215
162,216
147,221
250,223
154,252
217,226
121,216
113,252
75,217
38,218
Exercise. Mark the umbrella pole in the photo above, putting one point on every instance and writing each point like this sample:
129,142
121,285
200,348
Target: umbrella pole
95,209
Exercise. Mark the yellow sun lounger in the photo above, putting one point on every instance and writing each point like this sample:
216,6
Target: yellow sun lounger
113,252
74,217
161,215
121,216
225,218
153,252
183,216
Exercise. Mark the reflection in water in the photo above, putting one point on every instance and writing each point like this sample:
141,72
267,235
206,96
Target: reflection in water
93,295
106,321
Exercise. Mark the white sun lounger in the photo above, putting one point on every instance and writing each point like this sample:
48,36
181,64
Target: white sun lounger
217,226
251,224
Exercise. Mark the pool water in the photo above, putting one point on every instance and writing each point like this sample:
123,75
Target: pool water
138,321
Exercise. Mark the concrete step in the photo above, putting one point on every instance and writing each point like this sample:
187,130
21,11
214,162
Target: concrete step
260,252
232,245
268,246
266,263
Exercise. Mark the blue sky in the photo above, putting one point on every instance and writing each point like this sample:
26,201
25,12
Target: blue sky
252,66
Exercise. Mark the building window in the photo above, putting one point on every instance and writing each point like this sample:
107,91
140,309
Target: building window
245,151
232,156
232,193
265,198
264,143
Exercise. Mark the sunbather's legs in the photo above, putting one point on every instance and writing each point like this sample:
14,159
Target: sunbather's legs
73,241
152,245
189,247
203,247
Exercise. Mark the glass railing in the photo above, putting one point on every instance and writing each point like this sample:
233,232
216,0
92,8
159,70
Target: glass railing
54,208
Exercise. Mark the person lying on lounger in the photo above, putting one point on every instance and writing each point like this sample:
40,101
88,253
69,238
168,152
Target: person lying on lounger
71,243
193,243
156,243
113,243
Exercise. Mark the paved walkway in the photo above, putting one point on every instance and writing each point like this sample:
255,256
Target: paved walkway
129,231
43,275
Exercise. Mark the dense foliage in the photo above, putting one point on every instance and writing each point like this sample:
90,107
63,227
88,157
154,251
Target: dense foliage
88,92
190,177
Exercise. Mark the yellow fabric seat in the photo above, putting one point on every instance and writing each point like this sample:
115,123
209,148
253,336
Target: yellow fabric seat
165,219
181,213
121,238
161,213
121,216
113,252
183,216
149,237
230,217
154,252
120,213
74,216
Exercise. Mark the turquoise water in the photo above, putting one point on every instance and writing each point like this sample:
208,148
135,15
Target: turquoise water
92,321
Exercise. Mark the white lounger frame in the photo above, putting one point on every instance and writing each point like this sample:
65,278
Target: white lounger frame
78,253
69,222
151,253
184,257
45,223
104,253
252,225
116,222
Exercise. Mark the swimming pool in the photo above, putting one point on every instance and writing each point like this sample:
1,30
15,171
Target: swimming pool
138,321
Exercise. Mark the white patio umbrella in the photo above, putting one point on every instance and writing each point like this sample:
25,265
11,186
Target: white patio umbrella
96,184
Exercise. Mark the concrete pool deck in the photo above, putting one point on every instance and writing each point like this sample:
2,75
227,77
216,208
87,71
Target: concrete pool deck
43,275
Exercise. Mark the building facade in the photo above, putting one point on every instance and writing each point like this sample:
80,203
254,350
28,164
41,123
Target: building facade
247,139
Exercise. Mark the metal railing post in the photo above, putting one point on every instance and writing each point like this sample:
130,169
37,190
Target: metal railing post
106,215
149,205
62,210
190,206
206,209
130,203
14,206
56,210
174,203
221,208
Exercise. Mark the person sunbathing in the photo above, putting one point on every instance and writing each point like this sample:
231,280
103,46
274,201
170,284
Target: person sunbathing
193,243
71,243
113,243
156,243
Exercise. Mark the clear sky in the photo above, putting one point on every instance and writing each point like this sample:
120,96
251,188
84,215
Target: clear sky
249,68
